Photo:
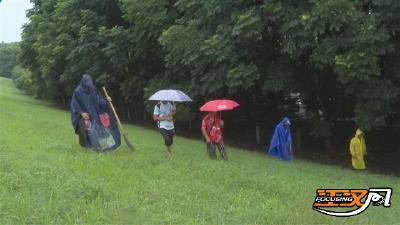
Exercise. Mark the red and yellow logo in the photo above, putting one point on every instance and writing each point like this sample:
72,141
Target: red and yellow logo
357,199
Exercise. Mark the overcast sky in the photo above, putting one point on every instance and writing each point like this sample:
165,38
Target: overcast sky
12,17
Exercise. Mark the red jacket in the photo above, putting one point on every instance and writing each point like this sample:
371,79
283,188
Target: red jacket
212,127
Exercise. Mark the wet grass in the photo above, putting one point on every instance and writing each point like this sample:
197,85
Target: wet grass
47,178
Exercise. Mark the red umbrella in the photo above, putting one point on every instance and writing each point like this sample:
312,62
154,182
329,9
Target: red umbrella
219,105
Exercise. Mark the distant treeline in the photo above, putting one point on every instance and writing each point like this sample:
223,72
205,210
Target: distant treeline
8,58
339,58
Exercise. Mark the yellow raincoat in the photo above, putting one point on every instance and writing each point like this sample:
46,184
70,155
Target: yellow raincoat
357,150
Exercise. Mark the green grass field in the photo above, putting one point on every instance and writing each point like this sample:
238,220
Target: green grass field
47,178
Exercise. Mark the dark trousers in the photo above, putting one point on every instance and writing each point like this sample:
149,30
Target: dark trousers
168,136
211,150
81,131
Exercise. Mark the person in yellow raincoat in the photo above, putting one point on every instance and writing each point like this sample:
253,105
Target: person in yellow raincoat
358,150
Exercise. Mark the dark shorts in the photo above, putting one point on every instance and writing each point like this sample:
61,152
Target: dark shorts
168,136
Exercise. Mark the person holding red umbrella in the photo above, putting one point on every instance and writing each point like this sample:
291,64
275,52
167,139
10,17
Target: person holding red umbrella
211,127
212,124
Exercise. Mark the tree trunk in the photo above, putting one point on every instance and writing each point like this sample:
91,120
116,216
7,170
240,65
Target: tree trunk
298,139
258,139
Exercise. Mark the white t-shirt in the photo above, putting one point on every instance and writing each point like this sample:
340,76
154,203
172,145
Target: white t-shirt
162,110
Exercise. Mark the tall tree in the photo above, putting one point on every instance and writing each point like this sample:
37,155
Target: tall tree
341,57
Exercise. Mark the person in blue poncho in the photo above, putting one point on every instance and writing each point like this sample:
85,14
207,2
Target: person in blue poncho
92,119
281,142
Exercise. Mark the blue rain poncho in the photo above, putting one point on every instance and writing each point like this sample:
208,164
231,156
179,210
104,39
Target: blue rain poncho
92,134
281,142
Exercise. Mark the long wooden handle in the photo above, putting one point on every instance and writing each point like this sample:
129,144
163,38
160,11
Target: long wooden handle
115,113
127,142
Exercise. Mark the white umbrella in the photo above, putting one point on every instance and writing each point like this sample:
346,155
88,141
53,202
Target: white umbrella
170,95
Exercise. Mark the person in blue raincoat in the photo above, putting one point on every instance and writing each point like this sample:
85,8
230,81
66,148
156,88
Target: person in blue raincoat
281,142
92,119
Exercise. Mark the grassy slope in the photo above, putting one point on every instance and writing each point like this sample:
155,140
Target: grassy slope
46,178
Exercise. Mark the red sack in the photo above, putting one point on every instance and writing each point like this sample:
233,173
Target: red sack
105,120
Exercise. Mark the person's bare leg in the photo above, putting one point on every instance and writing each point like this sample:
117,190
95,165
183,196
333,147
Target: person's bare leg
169,148
170,141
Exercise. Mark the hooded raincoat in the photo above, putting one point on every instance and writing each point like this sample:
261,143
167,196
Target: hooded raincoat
92,134
358,150
281,141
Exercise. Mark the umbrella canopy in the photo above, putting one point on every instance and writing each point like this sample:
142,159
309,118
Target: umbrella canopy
219,105
170,95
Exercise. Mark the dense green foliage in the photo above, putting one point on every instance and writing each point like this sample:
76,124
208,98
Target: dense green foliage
341,56
23,79
8,58
47,178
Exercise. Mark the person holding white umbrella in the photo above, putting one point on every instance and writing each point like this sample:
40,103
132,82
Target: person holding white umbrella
164,113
